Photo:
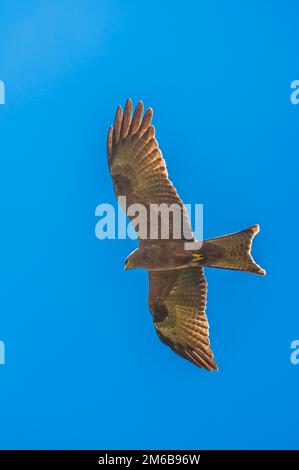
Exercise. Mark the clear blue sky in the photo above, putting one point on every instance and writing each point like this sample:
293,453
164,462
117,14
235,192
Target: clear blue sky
84,366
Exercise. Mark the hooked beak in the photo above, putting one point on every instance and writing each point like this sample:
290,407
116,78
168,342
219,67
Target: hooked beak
128,265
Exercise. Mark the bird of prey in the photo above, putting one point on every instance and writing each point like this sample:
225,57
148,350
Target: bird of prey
177,285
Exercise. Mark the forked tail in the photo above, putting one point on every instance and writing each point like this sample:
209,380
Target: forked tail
233,251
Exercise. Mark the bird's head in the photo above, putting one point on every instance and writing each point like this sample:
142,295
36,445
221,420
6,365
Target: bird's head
131,261
137,259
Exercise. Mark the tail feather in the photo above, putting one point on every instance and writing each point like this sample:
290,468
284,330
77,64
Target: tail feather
233,251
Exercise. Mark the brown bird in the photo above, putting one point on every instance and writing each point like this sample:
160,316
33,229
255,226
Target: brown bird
177,285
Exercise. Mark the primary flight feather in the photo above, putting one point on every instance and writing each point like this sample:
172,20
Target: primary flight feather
177,285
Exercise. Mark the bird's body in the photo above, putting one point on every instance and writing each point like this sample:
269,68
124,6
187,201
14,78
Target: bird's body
177,285
155,256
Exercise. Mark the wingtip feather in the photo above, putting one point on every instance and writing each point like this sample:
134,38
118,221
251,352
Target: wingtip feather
137,118
126,120
117,124
109,141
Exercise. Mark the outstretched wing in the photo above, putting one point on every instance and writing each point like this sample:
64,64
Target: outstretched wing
139,172
177,301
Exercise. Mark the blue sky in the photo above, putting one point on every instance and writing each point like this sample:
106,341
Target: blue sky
84,366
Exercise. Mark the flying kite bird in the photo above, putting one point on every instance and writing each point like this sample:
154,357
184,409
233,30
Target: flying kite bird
177,285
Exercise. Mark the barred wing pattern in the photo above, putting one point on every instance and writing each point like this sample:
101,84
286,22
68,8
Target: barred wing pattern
177,301
138,169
